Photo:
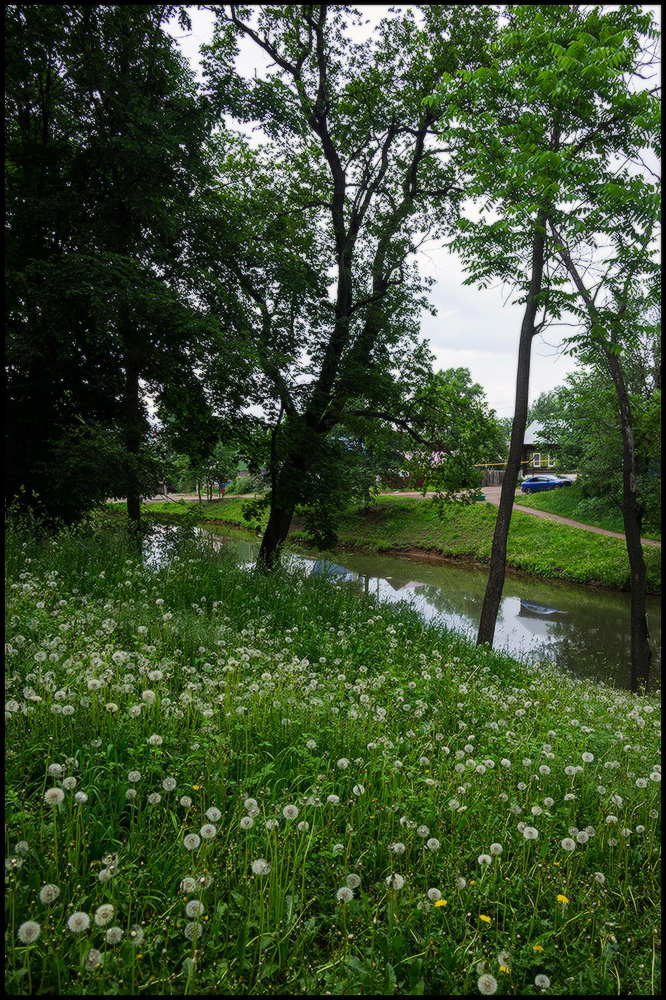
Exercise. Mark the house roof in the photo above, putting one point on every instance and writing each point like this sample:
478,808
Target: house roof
533,431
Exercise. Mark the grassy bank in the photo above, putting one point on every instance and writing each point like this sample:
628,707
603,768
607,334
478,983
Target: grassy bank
570,502
543,548
275,785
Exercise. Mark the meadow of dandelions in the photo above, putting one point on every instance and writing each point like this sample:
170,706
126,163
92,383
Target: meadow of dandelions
219,782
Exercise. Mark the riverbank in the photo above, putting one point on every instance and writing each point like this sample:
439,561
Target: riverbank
571,503
318,793
537,546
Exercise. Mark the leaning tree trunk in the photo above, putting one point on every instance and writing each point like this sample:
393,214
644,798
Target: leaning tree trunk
641,654
133,431
497,572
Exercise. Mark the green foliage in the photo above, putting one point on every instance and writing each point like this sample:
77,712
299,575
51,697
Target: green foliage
578,504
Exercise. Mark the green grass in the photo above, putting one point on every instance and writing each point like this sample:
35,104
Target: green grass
261,689
537,546
570,502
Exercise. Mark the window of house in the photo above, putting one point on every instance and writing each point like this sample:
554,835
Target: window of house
551,461
536,459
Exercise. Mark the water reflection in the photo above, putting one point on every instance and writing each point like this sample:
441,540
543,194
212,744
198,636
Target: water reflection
583,630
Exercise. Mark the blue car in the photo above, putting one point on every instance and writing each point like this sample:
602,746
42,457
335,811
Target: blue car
534,484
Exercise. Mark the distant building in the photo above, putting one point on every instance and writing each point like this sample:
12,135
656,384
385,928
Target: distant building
537,455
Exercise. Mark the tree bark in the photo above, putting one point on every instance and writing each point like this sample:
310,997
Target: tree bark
133,442
641,654
277,529
497,571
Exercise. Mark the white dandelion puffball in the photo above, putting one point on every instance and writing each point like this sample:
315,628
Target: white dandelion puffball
246,823
303,826
461,882
136,935
208,831
353,880
484,859
81,798
343,763
496,849
338,848
29,931
188,884
397,848
191,841
599,877
395,881
213,814
568,844
49,893
344,895
54,796
93,958
194,908
169,784
530,833
333,800
78,922
55,770
261,867
185,801
358,790
487,985
154,798
134,776
432,844
422,831
588,758
104,914
434,895
114,935
542,981
290,812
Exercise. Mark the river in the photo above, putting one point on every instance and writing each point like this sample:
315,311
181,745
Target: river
583,630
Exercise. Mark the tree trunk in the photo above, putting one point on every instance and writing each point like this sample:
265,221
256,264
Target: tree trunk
275,535
641,654
133,442
497,571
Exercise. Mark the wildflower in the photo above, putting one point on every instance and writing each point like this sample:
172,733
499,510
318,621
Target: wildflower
130,794
434,895
461,882
543,982
194,908
588,758
29,931
55,770
93,959
338,848
192,929
185,801
78,922
81,798
432,844
54,796
213,814
422,831
568,844
582,837
496,849
208,831
358,790
169,784
562,899
246,823
343,764
484,859
136,935
397,847
344,895
191,841
290,812
395,881
261,867
537,947
188,884
272,824
49,893
440,902
114,935
154,798
303,827
155,740
353,880
487,984
104,914
599,877
530,833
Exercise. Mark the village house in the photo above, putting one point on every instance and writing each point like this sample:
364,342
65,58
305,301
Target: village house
538,455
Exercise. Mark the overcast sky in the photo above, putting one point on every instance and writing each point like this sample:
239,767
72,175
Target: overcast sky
474,329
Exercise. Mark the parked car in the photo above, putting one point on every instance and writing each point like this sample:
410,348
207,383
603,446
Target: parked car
534,484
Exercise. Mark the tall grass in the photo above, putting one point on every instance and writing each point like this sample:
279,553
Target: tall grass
398,749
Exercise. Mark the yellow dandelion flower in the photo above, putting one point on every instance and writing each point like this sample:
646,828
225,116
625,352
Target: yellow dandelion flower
473,882
486,920
504,968
440,902
537,947
562,899
557,863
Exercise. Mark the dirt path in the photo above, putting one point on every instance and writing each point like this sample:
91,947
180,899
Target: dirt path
492,495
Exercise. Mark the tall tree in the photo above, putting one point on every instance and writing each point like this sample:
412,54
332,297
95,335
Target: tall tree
554,104
362,181
100,275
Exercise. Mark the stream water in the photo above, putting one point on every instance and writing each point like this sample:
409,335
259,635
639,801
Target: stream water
581,629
